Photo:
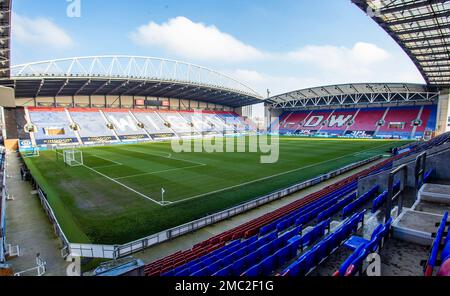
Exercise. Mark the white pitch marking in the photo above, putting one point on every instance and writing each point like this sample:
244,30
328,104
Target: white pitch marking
123,185
223,189
264,178
106,166
97,156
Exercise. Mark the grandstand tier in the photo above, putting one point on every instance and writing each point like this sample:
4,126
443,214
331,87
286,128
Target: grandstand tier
48,126
390,122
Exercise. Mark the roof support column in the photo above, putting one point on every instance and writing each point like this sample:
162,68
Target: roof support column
443,116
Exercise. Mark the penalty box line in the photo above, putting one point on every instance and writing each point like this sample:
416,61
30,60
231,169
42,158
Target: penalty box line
127,187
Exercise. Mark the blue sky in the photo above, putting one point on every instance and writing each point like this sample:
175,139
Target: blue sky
282,45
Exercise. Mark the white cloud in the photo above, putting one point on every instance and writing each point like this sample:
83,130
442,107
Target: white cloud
359,58
192,40
364,62
276,84
39,33
308,66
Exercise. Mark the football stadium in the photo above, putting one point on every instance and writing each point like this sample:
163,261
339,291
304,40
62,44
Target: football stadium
119,165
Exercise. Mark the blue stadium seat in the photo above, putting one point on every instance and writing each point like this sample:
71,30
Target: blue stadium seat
435,247
224,271
355,242
357,263
336,208
184,272
253,271
268,265
352,207
298,268
343,268
362,248
239,266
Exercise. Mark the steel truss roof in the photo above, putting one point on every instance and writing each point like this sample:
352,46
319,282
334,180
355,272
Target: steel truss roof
5,38
354,94
128,76
421,28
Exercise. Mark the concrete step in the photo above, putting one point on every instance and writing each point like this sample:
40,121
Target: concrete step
435,193
416,227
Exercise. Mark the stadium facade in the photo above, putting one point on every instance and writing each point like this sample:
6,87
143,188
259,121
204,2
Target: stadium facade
155,85
126,99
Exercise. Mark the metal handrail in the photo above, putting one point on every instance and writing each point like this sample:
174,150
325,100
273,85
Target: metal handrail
397,195
419,170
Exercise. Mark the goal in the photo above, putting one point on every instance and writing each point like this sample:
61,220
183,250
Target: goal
73,158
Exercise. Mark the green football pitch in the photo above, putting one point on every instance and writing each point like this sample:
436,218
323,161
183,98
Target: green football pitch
116,196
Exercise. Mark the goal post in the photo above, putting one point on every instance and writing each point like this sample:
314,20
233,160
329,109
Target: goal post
73,157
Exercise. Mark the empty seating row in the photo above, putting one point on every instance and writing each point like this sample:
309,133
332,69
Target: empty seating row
360,201
227,253
436,247
246,253
256,255
199,262
52,126
66,126
362,248
285,254
318,253
394,121
328,213
379,201
317,209
308,212
444,270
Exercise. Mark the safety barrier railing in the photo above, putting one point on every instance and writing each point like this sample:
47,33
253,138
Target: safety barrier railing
419,171
56,227
396,196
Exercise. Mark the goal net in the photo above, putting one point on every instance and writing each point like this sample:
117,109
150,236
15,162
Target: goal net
73,157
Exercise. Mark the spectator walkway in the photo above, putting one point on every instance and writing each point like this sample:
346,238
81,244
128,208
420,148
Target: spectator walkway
28,226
